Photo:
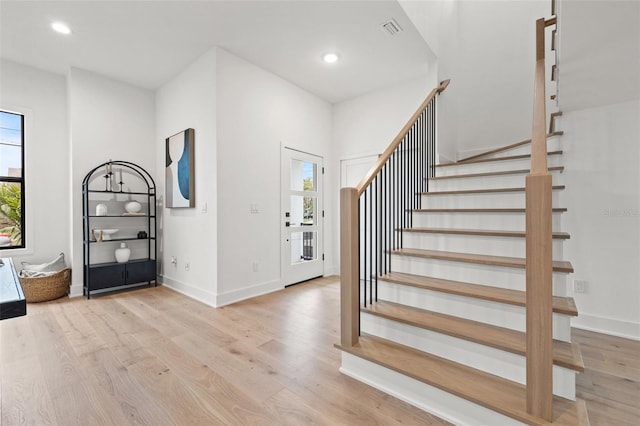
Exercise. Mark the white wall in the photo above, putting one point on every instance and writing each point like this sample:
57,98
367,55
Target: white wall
256,113
108,120
601,155
42,95
190,234
366,125
490,61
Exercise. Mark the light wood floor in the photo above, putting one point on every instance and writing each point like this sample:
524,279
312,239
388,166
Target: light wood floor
156,357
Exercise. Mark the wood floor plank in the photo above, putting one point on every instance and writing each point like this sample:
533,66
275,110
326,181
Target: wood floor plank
23,383
119,391
178,401
290,409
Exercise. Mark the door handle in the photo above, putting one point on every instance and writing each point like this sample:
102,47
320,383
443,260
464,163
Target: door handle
287,224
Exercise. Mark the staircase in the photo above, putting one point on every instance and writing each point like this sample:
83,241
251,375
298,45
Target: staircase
447,331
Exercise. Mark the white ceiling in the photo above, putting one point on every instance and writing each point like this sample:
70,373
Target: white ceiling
146,43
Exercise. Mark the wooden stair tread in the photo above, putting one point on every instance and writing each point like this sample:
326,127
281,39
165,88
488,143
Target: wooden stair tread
480,232
507,210
507,147
498,394
482,259
485,191
561,305
501,173
564,354
487,160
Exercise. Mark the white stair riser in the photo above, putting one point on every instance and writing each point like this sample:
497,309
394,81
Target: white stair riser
445,405
494,361
495,246
504,221
481,201
553,144
486,182
494,313
494,166
496,276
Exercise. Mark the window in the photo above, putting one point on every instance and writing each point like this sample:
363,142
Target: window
12,230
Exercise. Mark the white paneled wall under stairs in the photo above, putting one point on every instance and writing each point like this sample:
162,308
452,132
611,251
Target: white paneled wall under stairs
455,302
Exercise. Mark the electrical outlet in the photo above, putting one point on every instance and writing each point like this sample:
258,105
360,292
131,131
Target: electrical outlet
187,266
579,286
174,260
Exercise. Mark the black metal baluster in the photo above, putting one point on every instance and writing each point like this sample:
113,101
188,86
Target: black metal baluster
364,247
371,227
376,270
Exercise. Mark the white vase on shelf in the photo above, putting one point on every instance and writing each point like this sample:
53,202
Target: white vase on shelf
133,207
101,210
123,253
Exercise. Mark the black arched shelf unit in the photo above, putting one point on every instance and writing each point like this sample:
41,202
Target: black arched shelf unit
118,207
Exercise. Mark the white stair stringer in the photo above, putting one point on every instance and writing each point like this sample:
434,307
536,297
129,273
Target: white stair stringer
493,166
495,276
554,143
487,182
515,199
481,357
507,221
488,312
491,245
443,404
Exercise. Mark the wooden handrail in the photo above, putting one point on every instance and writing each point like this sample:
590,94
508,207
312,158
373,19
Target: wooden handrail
394,144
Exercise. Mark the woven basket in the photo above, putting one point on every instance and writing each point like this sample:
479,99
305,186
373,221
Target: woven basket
42,289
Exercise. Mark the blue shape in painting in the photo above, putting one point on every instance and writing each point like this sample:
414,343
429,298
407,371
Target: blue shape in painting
183,169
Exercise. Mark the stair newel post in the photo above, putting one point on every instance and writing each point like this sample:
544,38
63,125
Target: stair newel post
349,285
539,263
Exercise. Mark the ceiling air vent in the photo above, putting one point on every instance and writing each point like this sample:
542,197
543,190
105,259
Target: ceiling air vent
391,27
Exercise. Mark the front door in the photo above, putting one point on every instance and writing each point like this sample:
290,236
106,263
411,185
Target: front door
301,216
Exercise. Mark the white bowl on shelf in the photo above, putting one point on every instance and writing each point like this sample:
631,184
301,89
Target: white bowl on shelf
106,234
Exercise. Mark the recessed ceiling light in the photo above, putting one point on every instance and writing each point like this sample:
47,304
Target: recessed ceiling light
330,58
61,28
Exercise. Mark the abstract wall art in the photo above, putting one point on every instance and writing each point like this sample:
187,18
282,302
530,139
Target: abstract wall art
179,171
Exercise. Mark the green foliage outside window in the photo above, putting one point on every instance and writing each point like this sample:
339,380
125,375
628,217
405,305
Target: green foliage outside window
11,212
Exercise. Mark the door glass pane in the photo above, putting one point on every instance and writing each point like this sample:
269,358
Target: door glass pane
303,210
303,176
303,246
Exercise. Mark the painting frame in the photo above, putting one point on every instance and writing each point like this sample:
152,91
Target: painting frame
180,170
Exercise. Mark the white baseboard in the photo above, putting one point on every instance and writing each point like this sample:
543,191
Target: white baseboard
331,270
247,293
75,290
204,296
611,326
449,407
